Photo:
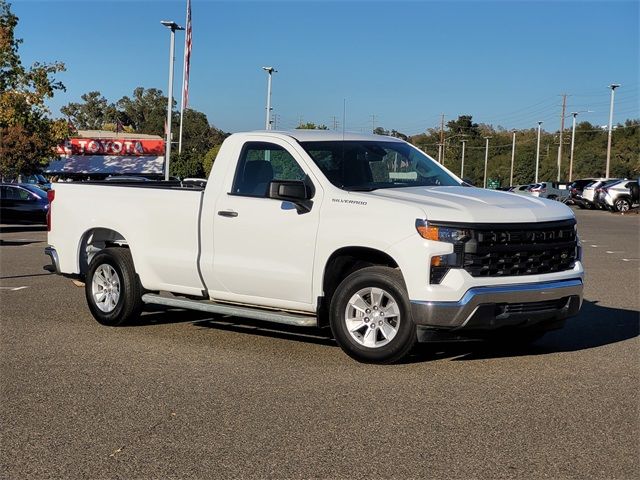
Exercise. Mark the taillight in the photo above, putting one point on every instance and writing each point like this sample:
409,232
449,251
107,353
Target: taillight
51,194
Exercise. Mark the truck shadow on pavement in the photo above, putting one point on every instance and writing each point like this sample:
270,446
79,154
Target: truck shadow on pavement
595,326
156,315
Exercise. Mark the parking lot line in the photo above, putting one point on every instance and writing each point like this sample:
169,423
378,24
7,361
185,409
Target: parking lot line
13,289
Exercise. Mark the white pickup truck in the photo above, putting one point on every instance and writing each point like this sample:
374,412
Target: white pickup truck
362,233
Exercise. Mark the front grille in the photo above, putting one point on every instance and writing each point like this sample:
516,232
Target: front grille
519,249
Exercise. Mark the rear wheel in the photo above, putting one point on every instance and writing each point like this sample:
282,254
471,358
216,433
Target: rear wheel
112,288
370,316
622,205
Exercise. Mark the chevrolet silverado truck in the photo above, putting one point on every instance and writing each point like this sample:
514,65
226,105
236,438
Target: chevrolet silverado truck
364,234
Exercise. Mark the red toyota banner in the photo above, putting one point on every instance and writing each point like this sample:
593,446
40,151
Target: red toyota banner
108,146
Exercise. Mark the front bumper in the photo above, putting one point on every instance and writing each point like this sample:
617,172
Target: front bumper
495,307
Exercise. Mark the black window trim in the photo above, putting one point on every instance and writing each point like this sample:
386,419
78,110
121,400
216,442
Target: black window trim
245,147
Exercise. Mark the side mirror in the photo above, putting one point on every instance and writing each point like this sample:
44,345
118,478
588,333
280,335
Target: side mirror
467,183
294,191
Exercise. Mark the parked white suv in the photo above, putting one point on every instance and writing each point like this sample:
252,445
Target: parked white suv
589,192
621,196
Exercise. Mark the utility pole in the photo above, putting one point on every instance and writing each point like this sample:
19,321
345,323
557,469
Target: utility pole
613,87
538,151
441,146
462,161
373,123
486,160
270,71
564,108
513,157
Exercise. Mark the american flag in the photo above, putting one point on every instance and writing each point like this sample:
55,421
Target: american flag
187,57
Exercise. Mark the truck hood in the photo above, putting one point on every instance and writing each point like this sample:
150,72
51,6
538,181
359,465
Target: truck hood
477,205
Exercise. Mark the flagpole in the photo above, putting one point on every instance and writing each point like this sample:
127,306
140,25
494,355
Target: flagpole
184,76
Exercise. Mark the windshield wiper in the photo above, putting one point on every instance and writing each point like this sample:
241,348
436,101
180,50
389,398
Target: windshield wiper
361,189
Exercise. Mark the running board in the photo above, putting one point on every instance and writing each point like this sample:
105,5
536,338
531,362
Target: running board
274,316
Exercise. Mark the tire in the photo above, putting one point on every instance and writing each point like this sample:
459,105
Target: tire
622,205
112,288
370,316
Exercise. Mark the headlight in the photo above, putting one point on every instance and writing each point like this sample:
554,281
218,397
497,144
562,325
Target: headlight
441,234
440,264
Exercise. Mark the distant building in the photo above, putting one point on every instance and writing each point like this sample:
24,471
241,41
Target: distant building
101,153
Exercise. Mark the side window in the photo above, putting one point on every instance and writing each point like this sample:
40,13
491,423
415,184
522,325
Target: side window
21,194
4,193
259,164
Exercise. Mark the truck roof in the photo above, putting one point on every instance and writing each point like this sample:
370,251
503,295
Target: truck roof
304,135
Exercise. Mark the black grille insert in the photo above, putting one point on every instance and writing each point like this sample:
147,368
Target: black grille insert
519,249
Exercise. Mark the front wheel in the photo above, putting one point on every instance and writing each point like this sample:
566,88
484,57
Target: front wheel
370,316
112,288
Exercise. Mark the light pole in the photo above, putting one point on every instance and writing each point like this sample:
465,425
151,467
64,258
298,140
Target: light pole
462,162
573,141
613,87
513,157
270,71
173,26
538,150
486,160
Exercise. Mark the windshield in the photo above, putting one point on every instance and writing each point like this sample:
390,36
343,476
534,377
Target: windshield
370,165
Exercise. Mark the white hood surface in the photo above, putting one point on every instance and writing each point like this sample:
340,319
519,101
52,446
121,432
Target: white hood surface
477,205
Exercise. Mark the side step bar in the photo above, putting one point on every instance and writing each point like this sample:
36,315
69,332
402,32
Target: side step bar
274,316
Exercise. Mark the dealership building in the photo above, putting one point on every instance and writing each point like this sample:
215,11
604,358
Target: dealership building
98,154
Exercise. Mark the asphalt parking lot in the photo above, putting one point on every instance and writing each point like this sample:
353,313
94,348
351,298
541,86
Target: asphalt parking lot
185,395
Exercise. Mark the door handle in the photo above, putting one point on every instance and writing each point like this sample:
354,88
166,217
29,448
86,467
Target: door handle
227,213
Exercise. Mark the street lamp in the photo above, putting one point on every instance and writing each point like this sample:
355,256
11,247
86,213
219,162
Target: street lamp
173,26
613,87
573,141
538,150
270,71
486,160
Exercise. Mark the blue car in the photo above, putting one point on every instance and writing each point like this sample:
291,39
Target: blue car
23,203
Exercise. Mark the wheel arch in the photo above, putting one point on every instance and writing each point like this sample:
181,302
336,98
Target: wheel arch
95,240
342,263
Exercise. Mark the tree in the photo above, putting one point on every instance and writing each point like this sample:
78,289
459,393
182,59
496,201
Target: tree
209,159
27,135
187,165
146,111
93,114
311,126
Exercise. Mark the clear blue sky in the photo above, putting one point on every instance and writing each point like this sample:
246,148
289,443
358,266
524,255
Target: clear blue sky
505,63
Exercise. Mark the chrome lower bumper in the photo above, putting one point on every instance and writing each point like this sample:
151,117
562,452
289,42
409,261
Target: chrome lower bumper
486,308
55,263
